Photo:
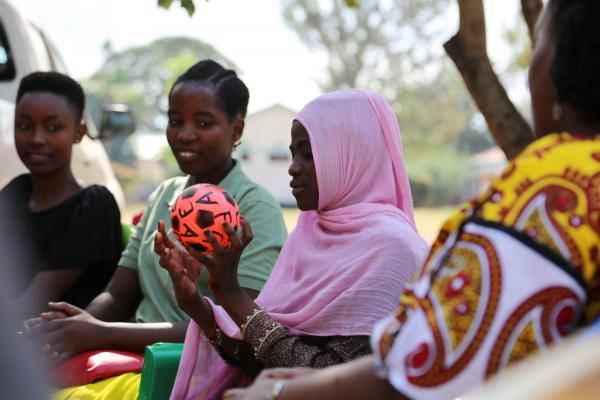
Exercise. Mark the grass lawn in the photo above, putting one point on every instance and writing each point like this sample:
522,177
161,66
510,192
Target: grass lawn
429,220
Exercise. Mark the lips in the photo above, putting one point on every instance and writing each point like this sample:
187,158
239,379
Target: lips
297,187
38,158
186,155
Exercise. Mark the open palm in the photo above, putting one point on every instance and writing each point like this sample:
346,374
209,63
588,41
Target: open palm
183,269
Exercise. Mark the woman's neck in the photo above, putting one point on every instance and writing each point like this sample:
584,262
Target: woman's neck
217,174
572,123
51,190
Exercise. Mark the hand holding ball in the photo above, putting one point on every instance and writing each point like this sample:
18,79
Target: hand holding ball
199,207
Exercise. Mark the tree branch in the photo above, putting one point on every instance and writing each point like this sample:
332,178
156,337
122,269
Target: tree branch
531,10
467,49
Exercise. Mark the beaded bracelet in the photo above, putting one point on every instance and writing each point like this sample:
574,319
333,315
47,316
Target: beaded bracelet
249,318
212,339
276,326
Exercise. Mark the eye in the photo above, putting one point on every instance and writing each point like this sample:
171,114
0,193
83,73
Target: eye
203,124
53,127
22,126
174,122
308,155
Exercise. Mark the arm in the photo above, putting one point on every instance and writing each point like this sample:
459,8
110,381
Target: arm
46,286
120,299
353,380
184,270
67,330
277,347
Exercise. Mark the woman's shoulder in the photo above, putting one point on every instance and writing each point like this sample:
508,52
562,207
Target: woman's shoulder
19,184
98,194
251,193
169,186
96,198
397,233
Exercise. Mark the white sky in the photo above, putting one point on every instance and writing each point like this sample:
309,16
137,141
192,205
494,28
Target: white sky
275,65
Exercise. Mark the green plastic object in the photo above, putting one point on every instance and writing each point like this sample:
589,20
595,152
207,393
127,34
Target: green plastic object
161,361
126,231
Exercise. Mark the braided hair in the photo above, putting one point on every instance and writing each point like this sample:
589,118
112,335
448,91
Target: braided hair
575,25
229,89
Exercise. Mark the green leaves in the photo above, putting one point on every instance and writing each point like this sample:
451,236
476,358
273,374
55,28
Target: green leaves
187,4
352,3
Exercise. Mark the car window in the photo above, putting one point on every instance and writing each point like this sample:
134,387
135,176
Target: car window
7,65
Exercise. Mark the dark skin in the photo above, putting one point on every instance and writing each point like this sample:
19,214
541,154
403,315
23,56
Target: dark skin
355,380
46,127
184,267
202,137
302,170
543,95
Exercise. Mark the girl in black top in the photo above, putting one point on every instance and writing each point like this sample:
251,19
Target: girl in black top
69,234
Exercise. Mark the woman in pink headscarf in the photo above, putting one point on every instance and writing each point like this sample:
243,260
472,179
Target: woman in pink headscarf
342,268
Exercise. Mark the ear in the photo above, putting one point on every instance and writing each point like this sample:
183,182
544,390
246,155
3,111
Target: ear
238,128
81,131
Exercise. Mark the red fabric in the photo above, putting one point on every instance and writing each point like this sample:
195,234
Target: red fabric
136,218
95,365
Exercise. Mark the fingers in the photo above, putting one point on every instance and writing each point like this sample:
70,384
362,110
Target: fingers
202,258
52,315
59,358
44,327
234,238
219,249
277,373
66,308
166,240
246,231
32,323
159,247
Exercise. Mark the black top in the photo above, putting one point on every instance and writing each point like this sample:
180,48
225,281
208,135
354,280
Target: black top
83,231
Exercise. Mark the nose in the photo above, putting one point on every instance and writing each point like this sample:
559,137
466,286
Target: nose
295,169
38,138
186,134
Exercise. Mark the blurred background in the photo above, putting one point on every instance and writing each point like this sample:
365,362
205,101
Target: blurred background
288,52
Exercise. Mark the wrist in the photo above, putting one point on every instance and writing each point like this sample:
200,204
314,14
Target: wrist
191,304
106,336
231,297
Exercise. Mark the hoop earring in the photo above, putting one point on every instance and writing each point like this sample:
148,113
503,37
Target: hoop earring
557,111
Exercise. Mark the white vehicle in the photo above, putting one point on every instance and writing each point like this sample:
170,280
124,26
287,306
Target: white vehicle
24,49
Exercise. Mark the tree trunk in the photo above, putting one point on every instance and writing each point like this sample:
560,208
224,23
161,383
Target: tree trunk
531,10
467,49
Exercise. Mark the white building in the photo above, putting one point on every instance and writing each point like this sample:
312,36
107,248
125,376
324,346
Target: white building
264,152
485,167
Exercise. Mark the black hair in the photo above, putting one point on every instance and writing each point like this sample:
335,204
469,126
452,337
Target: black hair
575,25
55,83
229,89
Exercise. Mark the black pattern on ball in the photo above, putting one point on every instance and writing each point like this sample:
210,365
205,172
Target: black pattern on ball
189,192
175,223
205,219
198,247
229,199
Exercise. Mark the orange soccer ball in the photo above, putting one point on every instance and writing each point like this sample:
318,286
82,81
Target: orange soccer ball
199,207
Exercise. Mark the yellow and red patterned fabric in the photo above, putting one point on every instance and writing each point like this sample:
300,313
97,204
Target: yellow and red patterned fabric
509,275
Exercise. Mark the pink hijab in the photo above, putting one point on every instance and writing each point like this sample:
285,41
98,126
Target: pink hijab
345,265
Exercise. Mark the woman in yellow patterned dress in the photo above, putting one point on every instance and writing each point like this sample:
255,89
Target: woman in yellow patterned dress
514,271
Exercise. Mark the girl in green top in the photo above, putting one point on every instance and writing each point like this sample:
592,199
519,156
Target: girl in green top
207,107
